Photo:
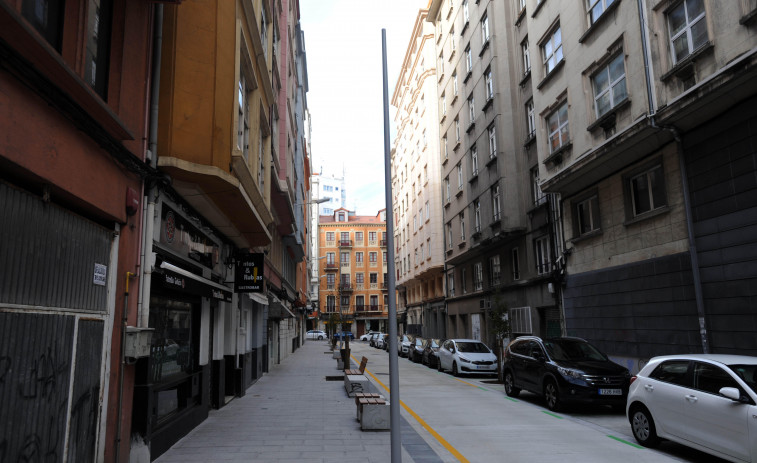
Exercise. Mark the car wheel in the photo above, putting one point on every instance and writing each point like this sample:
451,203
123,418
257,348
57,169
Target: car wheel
320,338
510,388
455,371
439,366
552,395
643,428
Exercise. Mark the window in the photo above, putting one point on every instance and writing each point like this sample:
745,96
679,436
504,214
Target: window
345,237
552,51
447,188
485,29
329,236
454,84
557,124
243,120
526,56
344,258
492,142
463,281
428,211
530,118
264,31
478,276
445,147
330,257
44,17
477,216
330,279
473,161
449,235
462,226
468,60
471,109
647,191
372,236
674,371
459,176
261,159
443,102
610,86
359,278
515,263
451,284
373,278
374,302
359,237
520,320
489,85
541,253
359,257
330,303
538,195
687,28
710,378
452,41
457,129
495,203
494,271
466,15
587,215
440,64
345,301
360,302
596,8
372,257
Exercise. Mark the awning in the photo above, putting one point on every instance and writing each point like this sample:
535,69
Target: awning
276,309
259,298
182,280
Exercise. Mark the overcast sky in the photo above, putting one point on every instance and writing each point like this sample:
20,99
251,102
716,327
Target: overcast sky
345,97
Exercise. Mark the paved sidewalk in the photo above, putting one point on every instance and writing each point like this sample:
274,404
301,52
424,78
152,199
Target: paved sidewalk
293,414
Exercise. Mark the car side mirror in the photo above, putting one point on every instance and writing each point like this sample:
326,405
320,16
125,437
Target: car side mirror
538,355
731,393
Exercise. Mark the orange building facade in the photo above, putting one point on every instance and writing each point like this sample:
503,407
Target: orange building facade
353,286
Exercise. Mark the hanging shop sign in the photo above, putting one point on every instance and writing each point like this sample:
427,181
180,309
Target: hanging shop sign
184,238
248,275
178,279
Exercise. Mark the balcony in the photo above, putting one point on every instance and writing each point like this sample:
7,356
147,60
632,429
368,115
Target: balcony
382,243
384,286
369,310
345,243
331,267
345,287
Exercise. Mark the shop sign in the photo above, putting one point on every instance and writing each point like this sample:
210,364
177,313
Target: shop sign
178,282
248,275
183,237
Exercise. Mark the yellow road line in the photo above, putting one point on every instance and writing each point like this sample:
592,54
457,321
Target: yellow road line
425,425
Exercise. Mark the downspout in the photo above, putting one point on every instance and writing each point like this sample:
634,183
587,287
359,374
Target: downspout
684,183
152,191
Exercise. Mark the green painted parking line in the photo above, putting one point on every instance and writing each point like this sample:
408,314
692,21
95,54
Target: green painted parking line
625,442
511,399
483,388
552,414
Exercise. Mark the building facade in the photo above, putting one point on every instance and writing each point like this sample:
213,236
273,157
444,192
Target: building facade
500,231
353,290
75,84
645,112
416,189
331,189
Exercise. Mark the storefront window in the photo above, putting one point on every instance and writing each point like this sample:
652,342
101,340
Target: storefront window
171,352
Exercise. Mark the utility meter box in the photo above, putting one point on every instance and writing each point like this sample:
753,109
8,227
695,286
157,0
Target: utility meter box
137,342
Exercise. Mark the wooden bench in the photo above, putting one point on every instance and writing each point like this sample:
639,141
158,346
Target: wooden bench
365,395
363,401
360,370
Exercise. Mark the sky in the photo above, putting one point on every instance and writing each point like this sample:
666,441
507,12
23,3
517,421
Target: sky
345,88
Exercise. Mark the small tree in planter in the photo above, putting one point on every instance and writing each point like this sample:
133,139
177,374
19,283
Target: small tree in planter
334,320
499,320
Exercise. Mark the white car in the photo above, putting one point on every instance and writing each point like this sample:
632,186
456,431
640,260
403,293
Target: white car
367,336
466,356
317,334
704,401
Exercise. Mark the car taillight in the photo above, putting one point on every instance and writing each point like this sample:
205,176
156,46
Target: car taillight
633,378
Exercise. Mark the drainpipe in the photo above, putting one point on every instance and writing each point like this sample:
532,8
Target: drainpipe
684,183
152,192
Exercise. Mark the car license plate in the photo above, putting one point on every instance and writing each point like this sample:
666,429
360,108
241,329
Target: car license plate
482,367
610,392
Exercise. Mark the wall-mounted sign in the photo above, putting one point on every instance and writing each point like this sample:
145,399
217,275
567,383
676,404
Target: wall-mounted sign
248,275
101,274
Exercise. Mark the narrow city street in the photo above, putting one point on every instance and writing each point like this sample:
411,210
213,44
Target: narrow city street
473,418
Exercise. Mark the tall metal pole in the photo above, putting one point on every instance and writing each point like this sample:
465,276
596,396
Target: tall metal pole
394,379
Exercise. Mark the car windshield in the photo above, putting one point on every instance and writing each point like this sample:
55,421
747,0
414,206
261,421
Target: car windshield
748,373
473,347
435,342
572,350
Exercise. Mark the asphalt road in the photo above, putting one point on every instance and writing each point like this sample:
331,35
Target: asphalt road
471,419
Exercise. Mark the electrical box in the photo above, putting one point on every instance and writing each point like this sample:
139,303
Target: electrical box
137,342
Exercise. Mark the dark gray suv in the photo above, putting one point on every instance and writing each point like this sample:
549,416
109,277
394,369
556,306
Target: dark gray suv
564,370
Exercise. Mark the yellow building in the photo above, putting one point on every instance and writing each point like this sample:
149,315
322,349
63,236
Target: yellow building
353,260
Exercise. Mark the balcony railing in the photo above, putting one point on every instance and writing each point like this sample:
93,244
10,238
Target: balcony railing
345,243
382,243
369,308
331,267
384,286
345,287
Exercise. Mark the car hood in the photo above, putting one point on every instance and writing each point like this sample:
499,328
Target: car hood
478,356
593,367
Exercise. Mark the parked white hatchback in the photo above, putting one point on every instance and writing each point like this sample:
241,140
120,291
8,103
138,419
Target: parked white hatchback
704,401
466,356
